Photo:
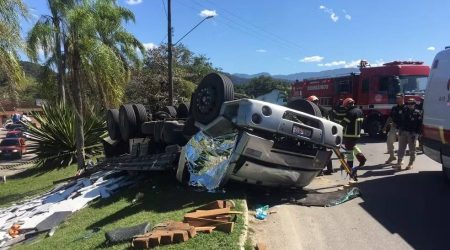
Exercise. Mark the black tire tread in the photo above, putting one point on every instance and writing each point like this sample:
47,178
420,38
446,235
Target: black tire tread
112,122
127,121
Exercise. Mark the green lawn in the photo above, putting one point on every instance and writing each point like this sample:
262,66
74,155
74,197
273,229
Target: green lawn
164,199
31,182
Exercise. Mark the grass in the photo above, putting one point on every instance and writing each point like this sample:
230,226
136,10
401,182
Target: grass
163,199
31,182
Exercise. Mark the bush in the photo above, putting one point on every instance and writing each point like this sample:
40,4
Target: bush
54,141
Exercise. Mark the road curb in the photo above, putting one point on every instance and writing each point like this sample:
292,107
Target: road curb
243,236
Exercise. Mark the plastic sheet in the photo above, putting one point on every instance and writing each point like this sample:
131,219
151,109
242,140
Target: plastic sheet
351,194
208,159
262,212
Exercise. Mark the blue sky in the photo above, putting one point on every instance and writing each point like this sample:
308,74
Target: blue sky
290,36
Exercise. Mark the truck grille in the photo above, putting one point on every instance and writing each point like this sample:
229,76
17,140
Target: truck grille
291,116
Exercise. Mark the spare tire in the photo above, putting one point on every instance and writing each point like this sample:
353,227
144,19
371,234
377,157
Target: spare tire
112,121
141,116
305,106
127,122
183,110
171,110
211,93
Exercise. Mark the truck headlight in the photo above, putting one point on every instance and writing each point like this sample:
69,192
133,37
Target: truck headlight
15,150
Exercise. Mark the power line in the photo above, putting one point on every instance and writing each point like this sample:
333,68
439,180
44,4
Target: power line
164,7
253,28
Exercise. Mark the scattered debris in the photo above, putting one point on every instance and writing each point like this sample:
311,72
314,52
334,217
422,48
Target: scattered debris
328,199
262,212
46,212
216,215
126,233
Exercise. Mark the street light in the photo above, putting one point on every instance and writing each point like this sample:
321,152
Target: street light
208,17
169,46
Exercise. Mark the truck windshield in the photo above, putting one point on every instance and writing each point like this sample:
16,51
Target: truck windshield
413,84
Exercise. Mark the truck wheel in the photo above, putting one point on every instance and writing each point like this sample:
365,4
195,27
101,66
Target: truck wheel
183,110
127,122
112,121
171,110
211,93
141,116
305,106
374,128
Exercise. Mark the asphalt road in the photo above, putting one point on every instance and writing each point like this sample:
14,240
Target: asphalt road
5,164
397,210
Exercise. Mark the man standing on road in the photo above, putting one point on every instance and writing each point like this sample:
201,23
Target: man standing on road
409,130
314,99
393,122
352,123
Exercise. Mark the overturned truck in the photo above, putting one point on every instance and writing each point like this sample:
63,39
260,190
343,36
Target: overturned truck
216,138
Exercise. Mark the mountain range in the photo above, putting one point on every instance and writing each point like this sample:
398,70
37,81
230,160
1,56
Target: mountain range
243,78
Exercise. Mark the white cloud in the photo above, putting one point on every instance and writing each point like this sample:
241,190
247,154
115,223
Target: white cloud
331,64
351,64
261,50
334,17
347,16
309,59
431,48
149,46
133,2
207,13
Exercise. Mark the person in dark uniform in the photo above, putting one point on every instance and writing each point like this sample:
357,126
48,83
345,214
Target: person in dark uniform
420,108
314,99
338,113
352,123
409,130
393,122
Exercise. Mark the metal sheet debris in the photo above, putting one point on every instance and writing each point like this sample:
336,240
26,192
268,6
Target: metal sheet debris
208,159
34,215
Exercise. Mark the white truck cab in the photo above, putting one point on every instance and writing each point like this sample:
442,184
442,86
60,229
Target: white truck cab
436,122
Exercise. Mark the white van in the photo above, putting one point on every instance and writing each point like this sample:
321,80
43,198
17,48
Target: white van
436,122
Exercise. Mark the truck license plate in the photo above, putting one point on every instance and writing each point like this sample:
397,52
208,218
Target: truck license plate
297,130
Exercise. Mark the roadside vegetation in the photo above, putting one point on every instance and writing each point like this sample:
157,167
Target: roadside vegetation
162,199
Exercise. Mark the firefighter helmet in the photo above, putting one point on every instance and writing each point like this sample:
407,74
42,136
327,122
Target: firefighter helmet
348,101
312,98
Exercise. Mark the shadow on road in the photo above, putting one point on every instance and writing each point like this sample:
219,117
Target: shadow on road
415,206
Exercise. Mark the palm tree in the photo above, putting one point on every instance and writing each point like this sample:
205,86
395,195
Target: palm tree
48,35
10,42
91,60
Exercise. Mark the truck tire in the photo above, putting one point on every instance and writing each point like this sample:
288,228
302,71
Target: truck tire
374,128
171,110
305,106
211,93
141,116
112,121
183,110
127,122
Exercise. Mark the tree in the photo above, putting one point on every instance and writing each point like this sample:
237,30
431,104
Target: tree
264,84
150,87
47,35
10,42
97,54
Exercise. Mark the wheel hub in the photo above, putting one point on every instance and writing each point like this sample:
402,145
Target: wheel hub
205,100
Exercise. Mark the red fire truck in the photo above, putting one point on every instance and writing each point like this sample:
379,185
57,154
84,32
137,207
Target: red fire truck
373,88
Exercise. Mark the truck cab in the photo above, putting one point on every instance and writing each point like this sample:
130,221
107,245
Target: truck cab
436,122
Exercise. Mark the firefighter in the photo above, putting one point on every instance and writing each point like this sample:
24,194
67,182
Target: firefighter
393,122
338,112
314,99
409,130
352,132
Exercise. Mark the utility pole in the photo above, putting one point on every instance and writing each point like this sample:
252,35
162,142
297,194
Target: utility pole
169,50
